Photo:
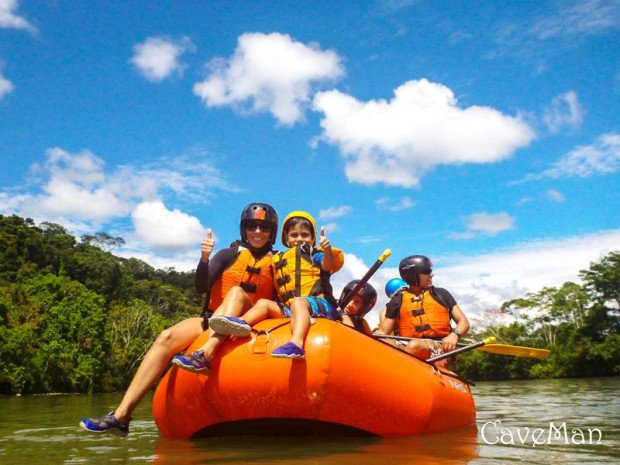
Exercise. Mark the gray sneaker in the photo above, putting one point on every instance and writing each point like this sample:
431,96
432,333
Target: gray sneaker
228,325
105,424
194,362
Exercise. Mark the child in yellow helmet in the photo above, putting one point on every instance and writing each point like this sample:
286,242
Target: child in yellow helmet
301,275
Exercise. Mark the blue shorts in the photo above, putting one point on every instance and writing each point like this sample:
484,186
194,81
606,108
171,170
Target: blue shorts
319,308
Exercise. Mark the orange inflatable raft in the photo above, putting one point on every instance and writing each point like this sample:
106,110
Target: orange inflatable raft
348,383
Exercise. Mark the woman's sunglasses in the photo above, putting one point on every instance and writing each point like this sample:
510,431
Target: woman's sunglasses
260,225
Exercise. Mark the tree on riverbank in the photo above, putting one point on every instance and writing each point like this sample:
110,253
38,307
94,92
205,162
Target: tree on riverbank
75,318
579,323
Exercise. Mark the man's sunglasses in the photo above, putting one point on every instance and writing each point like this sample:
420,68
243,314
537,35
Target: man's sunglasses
260,225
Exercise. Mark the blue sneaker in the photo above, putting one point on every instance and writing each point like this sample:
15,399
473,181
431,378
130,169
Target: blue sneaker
289,350
105,424
194,362
229,325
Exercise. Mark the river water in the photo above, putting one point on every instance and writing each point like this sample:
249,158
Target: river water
568,421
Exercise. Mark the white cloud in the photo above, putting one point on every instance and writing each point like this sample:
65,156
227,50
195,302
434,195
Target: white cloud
75,188
386,203
334,212
329,228
157,58
396,142
269,73
600,158
569,25
160,228
485,223
9,18
486,281
6,86
490,224
577,18
556,196
565,110
369,239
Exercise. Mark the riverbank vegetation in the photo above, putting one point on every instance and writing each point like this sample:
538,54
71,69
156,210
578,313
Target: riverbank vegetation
76,318
579,323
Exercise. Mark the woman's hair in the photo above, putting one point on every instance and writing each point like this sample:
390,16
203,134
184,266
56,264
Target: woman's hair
298,220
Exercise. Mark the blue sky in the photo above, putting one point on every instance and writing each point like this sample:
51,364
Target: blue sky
485,135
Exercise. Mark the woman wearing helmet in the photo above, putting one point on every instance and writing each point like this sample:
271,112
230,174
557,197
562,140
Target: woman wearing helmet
423,312
233,280
359,305
302,274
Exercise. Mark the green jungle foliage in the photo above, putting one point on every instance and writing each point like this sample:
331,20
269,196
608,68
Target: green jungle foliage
579,324
75,318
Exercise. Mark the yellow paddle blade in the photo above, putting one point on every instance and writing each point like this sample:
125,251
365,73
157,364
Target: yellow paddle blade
517,351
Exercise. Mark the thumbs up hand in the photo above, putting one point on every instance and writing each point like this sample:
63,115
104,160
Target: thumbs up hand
206,247
323,240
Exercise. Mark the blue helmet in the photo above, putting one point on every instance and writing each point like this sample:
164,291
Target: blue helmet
393,286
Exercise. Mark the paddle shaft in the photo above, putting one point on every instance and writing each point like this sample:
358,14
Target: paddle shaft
460,350
403,338
386,253
501,349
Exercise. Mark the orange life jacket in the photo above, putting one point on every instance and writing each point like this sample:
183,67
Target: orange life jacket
252,275
296,274
423,316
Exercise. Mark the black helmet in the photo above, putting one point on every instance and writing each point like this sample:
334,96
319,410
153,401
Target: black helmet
259,212
411,267
367,293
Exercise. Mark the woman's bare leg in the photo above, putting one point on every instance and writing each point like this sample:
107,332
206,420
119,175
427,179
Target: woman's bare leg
171,341
262,310
235,304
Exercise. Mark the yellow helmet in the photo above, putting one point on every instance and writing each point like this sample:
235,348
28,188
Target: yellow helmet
299,214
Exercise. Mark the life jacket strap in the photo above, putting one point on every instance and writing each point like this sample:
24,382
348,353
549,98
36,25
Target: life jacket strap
249,288
287,295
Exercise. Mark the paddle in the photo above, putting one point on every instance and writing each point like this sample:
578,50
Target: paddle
460,350
386,253
502,349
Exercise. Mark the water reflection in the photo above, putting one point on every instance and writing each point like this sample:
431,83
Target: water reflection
44,429
453,448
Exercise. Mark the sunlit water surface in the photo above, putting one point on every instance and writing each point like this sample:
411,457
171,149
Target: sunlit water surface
43,429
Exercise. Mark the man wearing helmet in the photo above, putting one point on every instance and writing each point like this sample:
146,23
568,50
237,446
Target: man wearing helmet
233,280
423,311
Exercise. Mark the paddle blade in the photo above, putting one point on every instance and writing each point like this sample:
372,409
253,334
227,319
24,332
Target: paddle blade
516,351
